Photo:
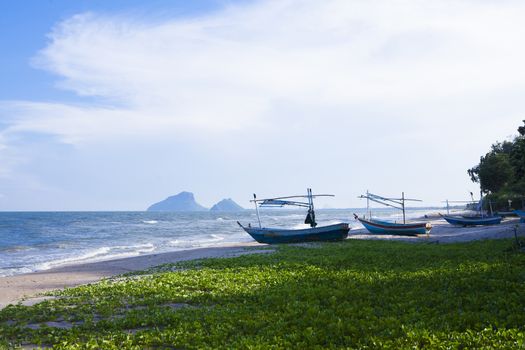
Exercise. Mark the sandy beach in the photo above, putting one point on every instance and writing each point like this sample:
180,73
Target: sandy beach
26,286
442,232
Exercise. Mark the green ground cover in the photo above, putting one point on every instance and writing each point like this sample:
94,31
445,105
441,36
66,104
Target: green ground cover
353,294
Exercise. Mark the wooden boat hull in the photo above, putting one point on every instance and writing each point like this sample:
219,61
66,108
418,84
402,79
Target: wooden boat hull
387,228
268,235
521,214
475,221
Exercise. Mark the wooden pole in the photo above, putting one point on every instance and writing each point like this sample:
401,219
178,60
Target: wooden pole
310,199
311,207
257,210
368,205
403,205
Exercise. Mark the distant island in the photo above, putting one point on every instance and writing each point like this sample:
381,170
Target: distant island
227,205
184,201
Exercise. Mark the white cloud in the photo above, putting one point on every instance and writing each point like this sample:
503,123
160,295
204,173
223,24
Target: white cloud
227,70
8,159
431,72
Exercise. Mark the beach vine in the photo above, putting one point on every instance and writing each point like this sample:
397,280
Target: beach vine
352,294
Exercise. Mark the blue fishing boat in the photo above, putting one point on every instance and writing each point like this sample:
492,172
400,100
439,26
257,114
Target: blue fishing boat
267,235
472,221
389,228
521,214
335,232
480,219
381,227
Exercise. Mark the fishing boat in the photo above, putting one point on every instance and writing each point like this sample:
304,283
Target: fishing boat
480,219
272,235
472,221
391,228
521,214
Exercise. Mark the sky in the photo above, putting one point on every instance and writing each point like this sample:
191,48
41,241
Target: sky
115,105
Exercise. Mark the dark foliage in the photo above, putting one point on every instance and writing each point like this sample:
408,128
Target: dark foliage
501,172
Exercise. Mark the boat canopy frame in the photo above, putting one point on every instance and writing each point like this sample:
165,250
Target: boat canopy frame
279,202
397,203
479,203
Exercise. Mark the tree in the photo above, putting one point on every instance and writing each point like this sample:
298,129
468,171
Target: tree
521,129
502,147
493,173
517,157
501,172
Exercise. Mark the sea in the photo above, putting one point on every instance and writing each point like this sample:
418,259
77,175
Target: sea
36,241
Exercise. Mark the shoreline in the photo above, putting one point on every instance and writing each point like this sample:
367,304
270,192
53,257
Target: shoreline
24,287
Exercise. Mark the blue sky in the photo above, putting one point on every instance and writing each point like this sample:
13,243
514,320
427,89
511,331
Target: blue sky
25,24
113,105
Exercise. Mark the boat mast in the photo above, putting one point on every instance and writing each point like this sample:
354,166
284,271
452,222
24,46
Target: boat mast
257,209
368,205
311,200
403,205
311,212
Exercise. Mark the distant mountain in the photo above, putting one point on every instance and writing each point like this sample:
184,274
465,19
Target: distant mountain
183,201
226,205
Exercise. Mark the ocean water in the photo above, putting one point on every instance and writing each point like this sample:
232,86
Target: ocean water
35,241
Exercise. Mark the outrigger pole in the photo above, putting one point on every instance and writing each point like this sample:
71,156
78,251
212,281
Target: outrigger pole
397,203
282,201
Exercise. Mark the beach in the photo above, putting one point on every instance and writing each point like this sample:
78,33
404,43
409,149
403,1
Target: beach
442,232
27,287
